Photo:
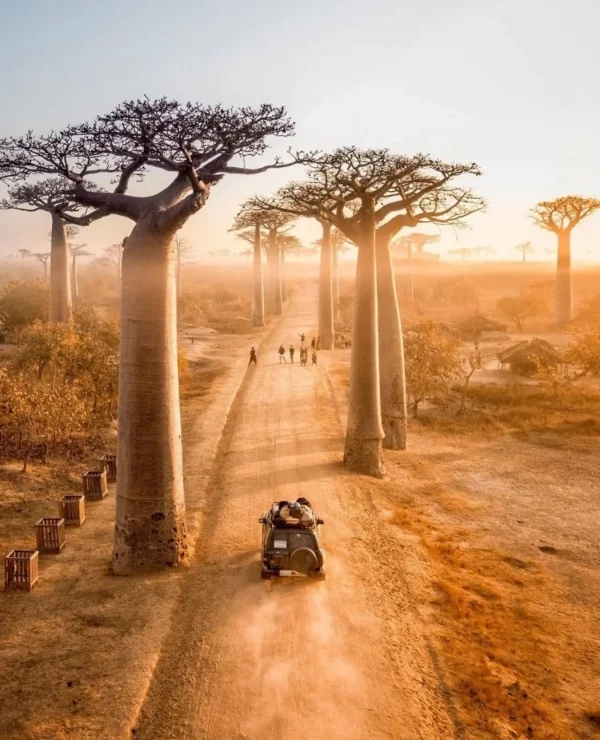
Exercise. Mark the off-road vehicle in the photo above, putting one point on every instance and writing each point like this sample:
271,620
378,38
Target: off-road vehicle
290,541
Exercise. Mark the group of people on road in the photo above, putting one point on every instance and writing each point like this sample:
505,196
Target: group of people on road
315,346
303,353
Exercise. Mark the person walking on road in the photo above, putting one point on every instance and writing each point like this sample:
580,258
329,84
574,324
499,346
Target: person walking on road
313,344
282,354
302,338
314,358
318,347
292,350
252,356
303,356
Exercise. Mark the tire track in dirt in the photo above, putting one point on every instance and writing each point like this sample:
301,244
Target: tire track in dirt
344,658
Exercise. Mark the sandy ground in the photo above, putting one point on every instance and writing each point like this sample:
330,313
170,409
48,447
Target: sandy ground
344,658
462,591
77,653
461,599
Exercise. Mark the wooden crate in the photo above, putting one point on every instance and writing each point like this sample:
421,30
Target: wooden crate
50,534
72,509
95,487
109,463
21,569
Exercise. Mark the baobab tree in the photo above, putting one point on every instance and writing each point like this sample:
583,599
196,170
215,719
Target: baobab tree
287,244
77,251
254,235
43,257
462,252
283,206
338,244
482,251
370,195
54,196
272,225
525,249
197,146
561,216
410,244
182,247
24,253
114,254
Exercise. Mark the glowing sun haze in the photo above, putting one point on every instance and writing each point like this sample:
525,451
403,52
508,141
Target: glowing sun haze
505,83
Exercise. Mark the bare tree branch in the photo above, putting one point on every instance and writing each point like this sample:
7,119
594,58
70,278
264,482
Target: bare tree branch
196,143
563,214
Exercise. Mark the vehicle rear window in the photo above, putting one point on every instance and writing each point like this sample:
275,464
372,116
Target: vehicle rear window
291,540
300,539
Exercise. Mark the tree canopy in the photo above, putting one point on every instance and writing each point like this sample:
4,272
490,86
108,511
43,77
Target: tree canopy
563,214
404,191
197,143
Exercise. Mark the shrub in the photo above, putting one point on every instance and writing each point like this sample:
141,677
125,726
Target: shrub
432,363
22,303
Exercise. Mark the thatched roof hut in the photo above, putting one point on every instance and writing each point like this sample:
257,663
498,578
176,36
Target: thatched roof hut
474,326
523,358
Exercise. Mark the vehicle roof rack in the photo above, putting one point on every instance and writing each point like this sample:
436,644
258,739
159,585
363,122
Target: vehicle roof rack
290,522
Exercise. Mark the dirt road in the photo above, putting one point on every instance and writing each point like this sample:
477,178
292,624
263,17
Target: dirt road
344,658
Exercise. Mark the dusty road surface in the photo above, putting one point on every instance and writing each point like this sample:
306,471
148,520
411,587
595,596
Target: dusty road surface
344,658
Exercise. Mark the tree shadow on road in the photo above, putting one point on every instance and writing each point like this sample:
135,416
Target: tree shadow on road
296,475
285,449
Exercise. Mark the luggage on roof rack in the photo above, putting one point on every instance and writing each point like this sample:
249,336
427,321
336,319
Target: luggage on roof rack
293,513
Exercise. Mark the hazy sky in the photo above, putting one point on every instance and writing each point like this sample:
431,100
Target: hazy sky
509,84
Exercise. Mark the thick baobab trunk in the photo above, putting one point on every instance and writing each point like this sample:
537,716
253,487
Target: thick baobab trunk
120,264
326,331
74,279
391,352
275,279
335,284
178,275
411,280
150,530
284,292
258,295
564,289
364,433
60,279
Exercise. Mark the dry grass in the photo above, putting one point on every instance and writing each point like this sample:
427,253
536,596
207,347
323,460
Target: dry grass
198,378
521,409
496,644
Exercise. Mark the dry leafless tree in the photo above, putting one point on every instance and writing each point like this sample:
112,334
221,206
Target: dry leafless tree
561,216
197,145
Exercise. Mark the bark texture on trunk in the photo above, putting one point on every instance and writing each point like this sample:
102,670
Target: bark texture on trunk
335,281
258,294
364,433
392,381
326,330
119,268
179,284
284,292
60,278
74,279
275,278
150,530
564,289
411,280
